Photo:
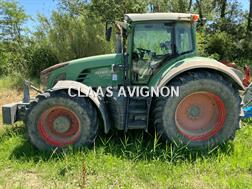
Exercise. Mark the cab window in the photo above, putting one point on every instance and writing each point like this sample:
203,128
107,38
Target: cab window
152,43
183,38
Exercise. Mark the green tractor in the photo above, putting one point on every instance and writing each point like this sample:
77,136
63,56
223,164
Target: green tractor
152,50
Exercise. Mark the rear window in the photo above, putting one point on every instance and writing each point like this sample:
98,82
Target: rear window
184,37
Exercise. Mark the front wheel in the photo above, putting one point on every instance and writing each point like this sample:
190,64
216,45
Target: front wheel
206,113
58,121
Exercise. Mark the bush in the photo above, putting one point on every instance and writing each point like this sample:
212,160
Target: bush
220,44
41,59
201,43
12,81
245,47
243,61
3,63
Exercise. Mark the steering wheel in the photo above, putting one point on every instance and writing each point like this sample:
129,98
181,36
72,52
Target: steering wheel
165,45
142,52
150,63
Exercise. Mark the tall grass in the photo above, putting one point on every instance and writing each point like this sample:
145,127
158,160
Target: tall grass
15,81
132,160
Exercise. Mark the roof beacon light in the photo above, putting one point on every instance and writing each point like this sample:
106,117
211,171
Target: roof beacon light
195,17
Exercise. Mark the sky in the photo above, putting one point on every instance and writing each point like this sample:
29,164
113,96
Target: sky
33,7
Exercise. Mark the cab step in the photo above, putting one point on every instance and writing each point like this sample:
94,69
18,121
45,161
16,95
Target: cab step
139,124
138,112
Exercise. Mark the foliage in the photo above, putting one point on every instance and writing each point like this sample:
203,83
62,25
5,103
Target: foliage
12,19
220,43
41,59
13,55
72,37
201,43
245,47
12,81
115,9
178,6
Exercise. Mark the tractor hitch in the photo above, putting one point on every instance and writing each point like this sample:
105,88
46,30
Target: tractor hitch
26,93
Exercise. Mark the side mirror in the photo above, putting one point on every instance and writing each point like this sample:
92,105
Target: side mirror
108,30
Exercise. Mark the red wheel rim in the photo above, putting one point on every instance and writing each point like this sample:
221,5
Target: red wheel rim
200,115
59,126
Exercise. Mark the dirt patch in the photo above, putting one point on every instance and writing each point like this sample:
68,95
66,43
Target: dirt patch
10,96
23,179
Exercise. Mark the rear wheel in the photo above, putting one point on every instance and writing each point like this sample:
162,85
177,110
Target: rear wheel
205,114
57,120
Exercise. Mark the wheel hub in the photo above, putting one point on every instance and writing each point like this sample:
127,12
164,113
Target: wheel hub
193,112
61,124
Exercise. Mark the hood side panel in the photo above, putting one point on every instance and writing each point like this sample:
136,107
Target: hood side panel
92,71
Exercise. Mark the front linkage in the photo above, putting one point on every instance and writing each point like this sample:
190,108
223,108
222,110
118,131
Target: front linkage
17,111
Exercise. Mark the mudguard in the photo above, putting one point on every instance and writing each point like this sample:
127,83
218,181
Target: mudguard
92,95
204,63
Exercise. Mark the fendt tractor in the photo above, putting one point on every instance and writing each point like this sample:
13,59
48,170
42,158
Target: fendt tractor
153,50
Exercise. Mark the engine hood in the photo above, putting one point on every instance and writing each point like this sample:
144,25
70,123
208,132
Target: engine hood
93,71
96,61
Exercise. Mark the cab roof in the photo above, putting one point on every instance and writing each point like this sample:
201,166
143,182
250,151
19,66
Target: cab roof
158,17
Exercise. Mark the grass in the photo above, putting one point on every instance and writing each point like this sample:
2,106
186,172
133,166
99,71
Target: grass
134,160
10,82
14,82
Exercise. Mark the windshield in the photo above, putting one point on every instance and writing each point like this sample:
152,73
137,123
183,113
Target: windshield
153,42
156,42
153,38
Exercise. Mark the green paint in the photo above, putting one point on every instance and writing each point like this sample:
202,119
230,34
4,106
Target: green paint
97,67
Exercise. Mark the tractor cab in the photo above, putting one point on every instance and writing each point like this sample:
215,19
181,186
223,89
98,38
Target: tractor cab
150,40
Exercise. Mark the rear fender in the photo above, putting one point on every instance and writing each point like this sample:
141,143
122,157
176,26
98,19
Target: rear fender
92,95
235,75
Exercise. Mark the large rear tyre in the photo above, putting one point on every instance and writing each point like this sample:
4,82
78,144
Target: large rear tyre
58,121
206,113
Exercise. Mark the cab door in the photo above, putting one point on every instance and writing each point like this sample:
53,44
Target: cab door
152,43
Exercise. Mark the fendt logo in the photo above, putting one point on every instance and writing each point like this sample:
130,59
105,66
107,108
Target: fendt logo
135,91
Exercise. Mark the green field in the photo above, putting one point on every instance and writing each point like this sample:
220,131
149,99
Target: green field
134,160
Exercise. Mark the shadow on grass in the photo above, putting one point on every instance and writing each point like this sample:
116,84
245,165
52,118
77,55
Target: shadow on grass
135,145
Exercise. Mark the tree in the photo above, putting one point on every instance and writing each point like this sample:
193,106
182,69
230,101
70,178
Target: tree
249,28
12,37
12,19
179,5
41,59
73,36
190,6
223,8
198,4
232,22
115,9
